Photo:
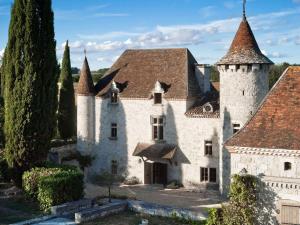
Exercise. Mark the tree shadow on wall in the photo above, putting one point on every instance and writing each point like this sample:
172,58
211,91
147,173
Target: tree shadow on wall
266,210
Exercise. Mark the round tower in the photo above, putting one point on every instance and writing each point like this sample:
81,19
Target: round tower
85,110
244,82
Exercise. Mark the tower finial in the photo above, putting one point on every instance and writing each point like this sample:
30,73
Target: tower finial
84,52
244,9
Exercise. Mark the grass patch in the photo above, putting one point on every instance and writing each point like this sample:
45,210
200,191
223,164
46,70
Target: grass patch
17,209
130,218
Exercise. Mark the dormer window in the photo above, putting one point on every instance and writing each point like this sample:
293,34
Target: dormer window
208,108
114,93
236,127
114,98
157,98
157,93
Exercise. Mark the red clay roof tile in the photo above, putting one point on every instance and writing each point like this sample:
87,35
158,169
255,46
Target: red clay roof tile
276,123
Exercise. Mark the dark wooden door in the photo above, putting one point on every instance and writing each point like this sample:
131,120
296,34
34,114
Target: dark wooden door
160,173
148,173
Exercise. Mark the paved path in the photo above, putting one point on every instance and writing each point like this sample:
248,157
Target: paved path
193,200
57,221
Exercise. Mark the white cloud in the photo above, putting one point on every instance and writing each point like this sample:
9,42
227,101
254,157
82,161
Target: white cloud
1,53
110,14
274,55
207,11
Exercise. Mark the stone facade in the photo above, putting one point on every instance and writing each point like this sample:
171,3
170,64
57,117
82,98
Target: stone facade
282,185
242,89
133,119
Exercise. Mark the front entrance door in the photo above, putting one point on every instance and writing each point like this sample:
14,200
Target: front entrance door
160,173
148,167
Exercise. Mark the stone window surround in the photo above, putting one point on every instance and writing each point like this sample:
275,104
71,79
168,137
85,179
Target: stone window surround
157,124
205,175
113,131
208,148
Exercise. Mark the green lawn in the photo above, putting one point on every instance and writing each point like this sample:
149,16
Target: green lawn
17,209
130,218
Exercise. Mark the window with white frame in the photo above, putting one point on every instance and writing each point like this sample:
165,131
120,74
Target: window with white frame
208,175
157,128
114,131
236,127
208,148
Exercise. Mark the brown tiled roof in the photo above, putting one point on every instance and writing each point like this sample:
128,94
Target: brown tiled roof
155,151
85,84
216,86
244,48
136,72
197,110
276,123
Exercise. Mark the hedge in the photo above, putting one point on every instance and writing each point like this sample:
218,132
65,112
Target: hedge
59,188
53,185
5,171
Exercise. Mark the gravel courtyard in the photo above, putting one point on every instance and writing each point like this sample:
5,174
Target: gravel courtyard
197,201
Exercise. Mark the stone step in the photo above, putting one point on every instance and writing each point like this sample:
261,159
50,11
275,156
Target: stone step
100,211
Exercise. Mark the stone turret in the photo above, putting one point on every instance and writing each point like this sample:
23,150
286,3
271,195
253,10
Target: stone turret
244,83
85,110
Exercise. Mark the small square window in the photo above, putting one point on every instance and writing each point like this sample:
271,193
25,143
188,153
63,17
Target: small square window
249,67
157,98
208,148
236,127
287,166
114,130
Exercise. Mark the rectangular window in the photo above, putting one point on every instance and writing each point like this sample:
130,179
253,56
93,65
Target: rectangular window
114,98
157,98
208,148
114,130
204,174
236,127
213,175
114,167
208,175
157,128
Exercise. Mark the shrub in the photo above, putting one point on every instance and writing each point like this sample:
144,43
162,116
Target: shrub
215,217
132,181
32,178
67,185
53,184
5,171
174,185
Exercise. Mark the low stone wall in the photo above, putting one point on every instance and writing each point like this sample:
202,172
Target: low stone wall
100,211
71,207
164,211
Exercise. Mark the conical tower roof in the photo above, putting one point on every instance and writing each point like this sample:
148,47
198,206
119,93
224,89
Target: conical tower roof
244,48
86,84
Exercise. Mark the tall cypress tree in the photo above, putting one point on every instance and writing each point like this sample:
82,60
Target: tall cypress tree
30,84
66,106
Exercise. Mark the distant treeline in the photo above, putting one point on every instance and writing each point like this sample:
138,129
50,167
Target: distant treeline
275,72
97,75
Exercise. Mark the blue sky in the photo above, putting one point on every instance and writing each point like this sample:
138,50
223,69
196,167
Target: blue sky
107,27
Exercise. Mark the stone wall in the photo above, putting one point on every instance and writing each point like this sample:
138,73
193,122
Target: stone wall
85,123
242,90
134,126
286,184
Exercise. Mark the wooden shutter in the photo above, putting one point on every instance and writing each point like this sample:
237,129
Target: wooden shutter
290,215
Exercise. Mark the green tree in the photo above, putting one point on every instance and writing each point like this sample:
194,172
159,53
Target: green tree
66,106
243,203
275,72
30,85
